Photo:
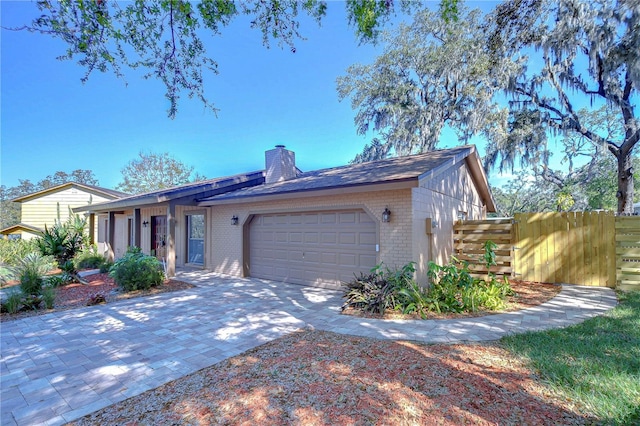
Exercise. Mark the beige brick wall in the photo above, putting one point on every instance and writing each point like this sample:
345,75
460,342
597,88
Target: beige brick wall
441,199
394,238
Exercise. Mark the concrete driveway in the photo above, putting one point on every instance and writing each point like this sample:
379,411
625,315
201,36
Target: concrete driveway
61,366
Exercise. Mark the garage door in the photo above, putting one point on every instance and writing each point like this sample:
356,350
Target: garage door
317,248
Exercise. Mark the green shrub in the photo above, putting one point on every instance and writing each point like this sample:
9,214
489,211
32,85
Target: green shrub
385,289
30,271
6,274
415,299
13,303
55,281
31,283
136,271
454,289
106,267
64,240
12,251
89,258
48,297
31,302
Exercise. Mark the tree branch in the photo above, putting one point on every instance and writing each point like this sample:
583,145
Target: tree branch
573,124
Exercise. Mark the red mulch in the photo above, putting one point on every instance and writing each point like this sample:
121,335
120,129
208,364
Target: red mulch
78,295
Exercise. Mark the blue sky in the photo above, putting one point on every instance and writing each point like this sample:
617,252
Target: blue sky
50,121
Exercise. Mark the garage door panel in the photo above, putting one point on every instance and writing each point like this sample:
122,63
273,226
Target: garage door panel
296,256
268,220
328,218
295,219
328,237
311,237
324,276
348,217
329,258
348,276
280,220
322,248
348,238
296,275
280,254
266,254
262,269
312,256
367,238
347,259
366,259
311,219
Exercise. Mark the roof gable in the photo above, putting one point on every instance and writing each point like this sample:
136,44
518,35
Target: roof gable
20,227
90,189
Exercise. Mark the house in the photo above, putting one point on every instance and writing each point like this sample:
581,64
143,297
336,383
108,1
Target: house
315,228
636,208
53,204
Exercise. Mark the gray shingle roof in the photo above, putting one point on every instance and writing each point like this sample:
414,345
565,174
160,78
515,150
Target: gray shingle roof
396,169
194,189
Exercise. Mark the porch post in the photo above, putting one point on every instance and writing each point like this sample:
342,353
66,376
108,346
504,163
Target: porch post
171,246
137,223
92,228
111,236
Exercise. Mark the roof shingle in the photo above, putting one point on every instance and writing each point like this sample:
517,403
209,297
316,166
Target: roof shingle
389,170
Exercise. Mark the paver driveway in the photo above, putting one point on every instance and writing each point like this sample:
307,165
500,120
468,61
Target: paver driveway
61,366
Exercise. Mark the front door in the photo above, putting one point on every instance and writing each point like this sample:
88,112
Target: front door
159,237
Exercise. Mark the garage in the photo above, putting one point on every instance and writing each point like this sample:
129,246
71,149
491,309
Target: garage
312,248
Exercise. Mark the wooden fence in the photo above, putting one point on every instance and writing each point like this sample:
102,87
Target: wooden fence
628,252
587,248
470,237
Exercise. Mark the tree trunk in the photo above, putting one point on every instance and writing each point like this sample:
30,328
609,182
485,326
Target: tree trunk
625,182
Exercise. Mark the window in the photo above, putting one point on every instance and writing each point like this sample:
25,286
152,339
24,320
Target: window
195,239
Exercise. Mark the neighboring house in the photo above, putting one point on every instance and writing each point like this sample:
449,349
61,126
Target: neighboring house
316,228
636,208
53,204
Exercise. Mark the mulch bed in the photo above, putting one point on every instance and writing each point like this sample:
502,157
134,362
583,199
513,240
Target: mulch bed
323,378
77,295
527,294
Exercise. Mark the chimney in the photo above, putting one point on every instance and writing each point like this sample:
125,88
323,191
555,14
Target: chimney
280,164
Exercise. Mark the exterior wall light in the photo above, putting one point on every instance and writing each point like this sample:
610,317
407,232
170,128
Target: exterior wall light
386,215
234,220
145,224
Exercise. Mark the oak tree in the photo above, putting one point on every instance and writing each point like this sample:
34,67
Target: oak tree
518,77
152,171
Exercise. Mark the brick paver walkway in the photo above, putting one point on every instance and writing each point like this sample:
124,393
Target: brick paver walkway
61,366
